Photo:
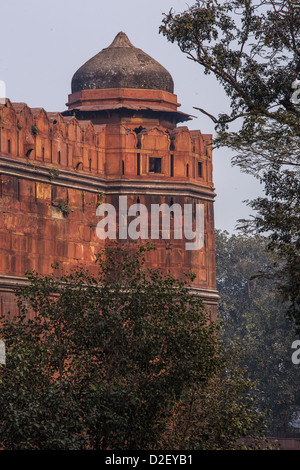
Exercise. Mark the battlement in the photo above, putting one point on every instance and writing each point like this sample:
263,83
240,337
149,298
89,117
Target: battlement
116,150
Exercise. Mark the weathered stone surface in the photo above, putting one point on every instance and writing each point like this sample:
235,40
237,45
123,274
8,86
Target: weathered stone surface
121,65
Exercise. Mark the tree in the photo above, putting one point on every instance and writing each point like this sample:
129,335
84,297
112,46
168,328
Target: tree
252,48
253,318
117,361
279,215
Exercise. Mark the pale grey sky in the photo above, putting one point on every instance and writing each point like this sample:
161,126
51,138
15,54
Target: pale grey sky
44,43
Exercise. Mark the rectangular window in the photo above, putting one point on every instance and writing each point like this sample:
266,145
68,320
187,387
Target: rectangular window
138,164
8,146
172,165
200,169
154,165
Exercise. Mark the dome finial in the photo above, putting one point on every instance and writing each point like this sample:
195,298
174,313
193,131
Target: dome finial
121,40
122,65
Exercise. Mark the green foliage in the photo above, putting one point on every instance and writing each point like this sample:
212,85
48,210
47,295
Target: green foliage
253,318
64,207
223,415
118,360
279,214
252,48
54,173
34,130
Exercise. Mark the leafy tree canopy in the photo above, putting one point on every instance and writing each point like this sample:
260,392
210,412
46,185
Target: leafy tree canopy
253,318
126,359
252,47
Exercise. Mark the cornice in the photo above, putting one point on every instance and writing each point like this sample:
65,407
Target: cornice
10,283
84,182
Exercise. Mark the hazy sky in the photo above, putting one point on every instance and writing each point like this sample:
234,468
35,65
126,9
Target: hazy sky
44,43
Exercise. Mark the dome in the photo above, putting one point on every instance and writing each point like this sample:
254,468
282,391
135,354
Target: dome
121,65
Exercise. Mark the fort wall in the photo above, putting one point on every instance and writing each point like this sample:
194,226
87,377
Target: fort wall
55,170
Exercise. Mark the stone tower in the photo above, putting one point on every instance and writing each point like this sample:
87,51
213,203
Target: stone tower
121,136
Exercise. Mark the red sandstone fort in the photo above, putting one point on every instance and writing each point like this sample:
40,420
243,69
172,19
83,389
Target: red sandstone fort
121,134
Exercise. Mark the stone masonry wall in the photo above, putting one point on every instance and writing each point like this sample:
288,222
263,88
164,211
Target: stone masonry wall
54,172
